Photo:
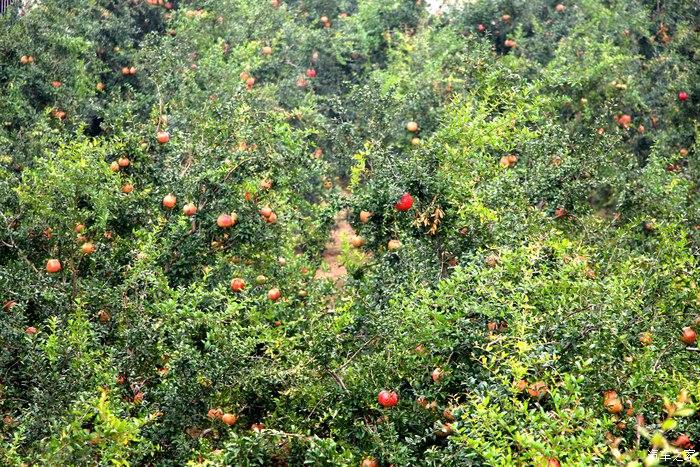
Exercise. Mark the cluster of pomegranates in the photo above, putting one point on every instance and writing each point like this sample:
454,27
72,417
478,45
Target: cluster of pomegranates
248,79
227,418
129,70
238,285
412,127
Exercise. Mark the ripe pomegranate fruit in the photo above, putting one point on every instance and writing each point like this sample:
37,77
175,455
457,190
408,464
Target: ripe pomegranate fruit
688,335
365,216
169,201
225,221
683,441
412,127
613,404
53,265
537,389
271,219
508,160
357,241
624,120
274,294
215,414
237,284
387,398
87,248
162,137
189,209
103,316
404,203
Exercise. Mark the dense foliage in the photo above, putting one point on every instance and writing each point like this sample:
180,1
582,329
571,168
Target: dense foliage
522,177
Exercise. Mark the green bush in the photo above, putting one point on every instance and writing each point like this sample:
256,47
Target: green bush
531,315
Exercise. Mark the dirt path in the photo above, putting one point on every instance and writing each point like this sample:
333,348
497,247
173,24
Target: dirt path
332,269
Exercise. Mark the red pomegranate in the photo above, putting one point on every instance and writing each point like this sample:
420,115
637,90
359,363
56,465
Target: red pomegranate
404,203
387,398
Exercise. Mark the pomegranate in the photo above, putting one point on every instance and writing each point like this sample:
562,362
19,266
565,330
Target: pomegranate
225,221
387,398
237,284
162,137
229,419
404,203
688,336
357,241
169,201
87,248
189,209
365,216
53,265
274,294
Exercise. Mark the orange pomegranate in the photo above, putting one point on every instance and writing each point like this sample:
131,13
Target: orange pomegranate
53,266
169,201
